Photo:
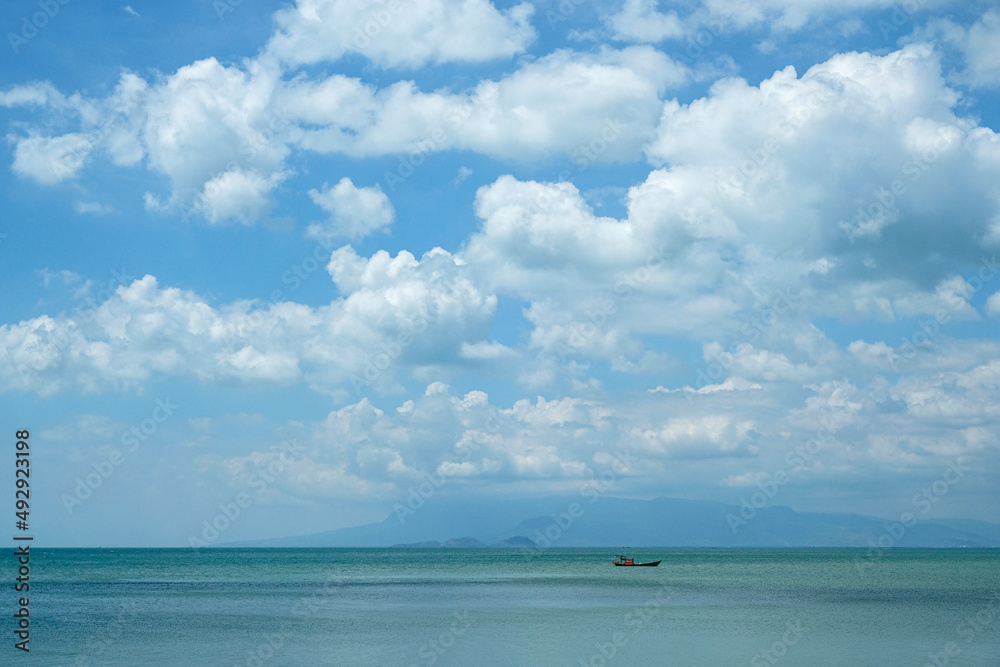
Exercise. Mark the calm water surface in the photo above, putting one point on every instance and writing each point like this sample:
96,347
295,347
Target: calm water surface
505,607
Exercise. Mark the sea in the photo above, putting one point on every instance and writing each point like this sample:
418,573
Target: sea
572,607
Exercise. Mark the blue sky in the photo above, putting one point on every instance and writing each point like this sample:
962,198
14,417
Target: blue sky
494,246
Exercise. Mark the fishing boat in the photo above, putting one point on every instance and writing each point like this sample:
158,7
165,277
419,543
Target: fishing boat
622,560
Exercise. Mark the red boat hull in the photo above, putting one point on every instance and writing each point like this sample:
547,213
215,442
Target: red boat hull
629,563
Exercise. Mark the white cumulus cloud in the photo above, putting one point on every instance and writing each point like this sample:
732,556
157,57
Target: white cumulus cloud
399,33
354,212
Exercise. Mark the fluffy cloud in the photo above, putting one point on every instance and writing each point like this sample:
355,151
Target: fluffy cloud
747,164
400,33
51,160
791,14
92,208
396,314
456,439
39,94
107,125
641,21
738,231
993,304
543,236
982,50
354,212
593,283
978,44
734,383
596,284
222,134
211,129
236,195
701,437
594,107
453,440
764,365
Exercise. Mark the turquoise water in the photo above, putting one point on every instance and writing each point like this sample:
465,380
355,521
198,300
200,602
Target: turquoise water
503,607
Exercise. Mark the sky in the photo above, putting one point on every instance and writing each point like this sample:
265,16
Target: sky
289,267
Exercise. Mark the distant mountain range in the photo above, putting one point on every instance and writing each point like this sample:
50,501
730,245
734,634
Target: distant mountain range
573,521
